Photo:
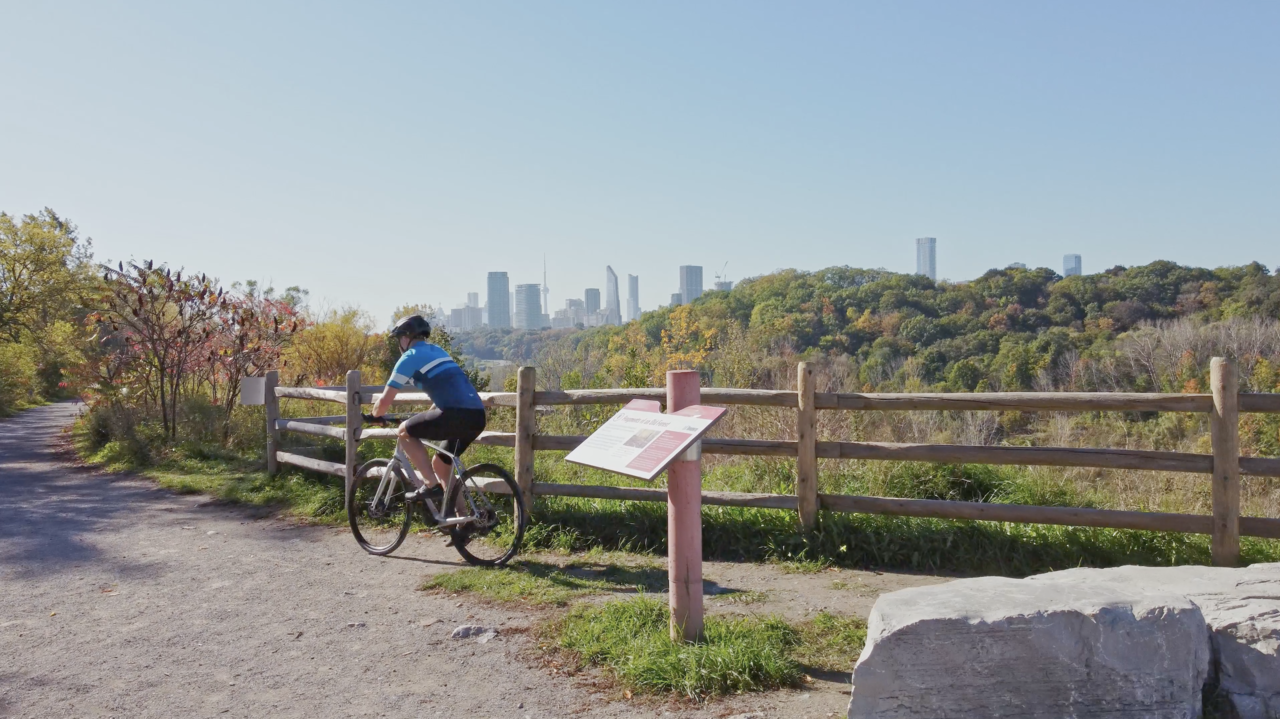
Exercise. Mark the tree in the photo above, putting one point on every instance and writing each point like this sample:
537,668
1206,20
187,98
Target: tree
340,340
44,273
250,332
162,319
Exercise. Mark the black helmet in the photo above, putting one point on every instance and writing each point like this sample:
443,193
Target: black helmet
412,326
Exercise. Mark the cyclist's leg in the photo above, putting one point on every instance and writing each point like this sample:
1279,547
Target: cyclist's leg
466,427
417,427
418,457
458,427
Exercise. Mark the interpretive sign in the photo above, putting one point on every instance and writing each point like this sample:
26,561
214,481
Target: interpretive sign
640,441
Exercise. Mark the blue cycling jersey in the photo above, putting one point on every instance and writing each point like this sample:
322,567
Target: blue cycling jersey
433,371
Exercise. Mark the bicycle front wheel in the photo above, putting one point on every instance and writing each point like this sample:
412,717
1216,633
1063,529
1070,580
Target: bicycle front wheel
490,496
376,509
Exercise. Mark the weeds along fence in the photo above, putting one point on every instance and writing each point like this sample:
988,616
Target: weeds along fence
1224,465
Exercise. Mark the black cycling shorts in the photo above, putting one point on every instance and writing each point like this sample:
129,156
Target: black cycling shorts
457,428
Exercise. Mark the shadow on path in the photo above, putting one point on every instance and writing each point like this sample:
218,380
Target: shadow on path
52,507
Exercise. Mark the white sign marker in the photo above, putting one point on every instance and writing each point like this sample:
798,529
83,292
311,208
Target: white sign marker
640,441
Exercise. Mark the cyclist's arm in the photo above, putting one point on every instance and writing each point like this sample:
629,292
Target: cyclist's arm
382,402
399,379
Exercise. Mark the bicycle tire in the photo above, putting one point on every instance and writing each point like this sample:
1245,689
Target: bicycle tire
496,530
400,512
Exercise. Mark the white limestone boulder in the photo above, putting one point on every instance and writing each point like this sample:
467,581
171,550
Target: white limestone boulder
996,647
1242,609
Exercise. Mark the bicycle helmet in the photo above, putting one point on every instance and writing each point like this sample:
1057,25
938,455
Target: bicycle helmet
412,326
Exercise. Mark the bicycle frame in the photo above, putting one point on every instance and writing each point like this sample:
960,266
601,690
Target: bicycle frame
401,460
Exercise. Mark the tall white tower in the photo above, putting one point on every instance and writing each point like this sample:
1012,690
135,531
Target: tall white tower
546,292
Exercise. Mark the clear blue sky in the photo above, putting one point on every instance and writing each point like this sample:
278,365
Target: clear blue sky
389,153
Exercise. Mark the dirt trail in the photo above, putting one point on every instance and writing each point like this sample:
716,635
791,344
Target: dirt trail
119,599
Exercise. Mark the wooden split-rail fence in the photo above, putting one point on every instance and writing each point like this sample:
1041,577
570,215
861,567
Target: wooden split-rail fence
1224,465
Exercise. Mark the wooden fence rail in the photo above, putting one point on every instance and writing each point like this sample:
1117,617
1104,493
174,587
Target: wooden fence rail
1224,465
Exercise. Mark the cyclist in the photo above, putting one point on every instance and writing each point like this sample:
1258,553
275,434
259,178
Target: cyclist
458,416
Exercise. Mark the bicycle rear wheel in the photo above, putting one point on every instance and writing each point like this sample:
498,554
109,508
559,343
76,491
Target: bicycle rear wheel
379,523
487,493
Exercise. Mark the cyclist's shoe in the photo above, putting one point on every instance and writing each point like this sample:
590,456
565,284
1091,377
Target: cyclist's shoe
433,492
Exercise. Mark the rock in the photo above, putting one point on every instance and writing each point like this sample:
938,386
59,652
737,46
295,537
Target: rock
1242,609
355,625
481,634
996,647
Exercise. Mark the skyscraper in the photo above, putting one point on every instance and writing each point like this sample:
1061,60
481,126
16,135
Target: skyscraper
676,299
464,319
612,303
528,314
724,285
690,283
473,299
927,257
1071,265
592,299
499,301
633,297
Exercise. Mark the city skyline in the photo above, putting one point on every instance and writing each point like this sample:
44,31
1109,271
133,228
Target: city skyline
587,310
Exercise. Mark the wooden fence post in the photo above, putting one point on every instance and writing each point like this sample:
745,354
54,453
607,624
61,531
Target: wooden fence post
807,448
354,423
526,427
684,519
1224,430
272,405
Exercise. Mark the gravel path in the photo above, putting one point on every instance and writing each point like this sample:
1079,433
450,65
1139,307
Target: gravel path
119,599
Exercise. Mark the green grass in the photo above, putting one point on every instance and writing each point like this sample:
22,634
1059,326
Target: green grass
198,469
830,642
542,584
804,566
630,639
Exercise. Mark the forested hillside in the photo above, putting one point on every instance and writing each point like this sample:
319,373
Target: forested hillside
1011,329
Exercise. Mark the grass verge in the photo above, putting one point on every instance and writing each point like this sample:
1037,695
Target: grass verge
224,475
542,584
629,639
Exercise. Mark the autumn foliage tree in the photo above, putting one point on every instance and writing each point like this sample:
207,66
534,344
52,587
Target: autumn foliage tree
161,335
166,320
250,331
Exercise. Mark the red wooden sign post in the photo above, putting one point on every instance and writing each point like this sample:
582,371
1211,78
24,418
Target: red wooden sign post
684,518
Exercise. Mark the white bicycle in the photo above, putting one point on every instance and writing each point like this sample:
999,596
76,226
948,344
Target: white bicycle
482,508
